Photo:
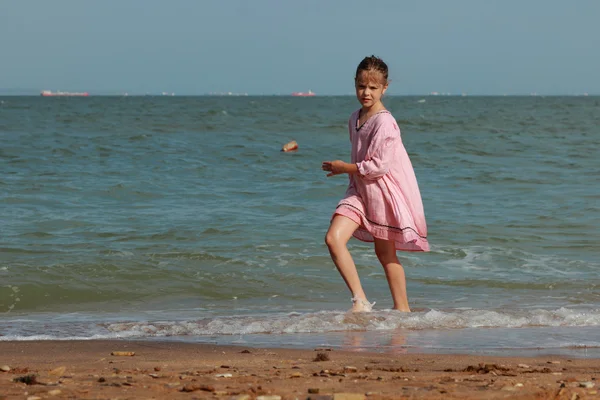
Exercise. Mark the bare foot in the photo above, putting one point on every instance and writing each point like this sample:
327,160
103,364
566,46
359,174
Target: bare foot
361,305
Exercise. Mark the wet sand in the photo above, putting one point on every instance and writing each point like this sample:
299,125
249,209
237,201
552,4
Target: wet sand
171,370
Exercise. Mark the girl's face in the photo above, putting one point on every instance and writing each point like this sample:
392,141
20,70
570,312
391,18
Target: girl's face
370,87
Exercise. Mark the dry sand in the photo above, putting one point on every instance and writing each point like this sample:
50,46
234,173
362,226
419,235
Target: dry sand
168,370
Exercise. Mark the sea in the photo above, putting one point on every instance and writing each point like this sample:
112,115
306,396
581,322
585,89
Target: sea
180,219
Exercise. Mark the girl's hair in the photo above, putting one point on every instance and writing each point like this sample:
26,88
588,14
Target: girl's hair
372,63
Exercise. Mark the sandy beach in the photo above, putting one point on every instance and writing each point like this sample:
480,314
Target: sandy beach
170,370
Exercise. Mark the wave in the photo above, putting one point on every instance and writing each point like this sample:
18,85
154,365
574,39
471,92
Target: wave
293,323
328,321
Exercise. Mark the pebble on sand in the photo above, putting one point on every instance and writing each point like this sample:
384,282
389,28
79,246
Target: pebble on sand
241,397
348,396
123,353
193,387
57,371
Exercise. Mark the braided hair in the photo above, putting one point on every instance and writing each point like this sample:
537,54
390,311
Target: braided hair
373,63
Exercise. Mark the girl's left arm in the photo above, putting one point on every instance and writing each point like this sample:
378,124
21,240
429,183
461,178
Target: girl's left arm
379,155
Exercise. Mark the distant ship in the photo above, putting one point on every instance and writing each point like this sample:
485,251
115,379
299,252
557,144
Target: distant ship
49,93
310,93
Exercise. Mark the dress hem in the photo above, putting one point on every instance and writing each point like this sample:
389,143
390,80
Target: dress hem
408,240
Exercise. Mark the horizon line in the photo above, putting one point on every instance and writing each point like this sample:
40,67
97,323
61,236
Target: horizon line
126,94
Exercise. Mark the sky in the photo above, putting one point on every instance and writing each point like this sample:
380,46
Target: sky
194,47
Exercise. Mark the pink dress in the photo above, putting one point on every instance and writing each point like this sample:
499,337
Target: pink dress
383,198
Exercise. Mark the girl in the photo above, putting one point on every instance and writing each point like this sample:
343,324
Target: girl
382,203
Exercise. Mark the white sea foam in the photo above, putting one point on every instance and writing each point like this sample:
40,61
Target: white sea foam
321,322
559,331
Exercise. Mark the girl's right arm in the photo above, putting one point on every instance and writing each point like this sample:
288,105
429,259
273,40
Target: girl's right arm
379,155
339,167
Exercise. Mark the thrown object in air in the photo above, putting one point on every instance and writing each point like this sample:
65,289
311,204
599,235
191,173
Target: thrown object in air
291,146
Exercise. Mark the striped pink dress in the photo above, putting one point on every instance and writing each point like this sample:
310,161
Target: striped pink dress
383,198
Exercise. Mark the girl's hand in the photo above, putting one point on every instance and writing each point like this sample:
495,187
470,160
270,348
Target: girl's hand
334,167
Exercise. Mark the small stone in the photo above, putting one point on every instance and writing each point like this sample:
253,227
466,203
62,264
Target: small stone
54,392
30,379
587,385
223,375
321,357
350,369
156,369
296,375
193,387
519,385
523,366
313,390
241,396
553,362
508,389
123,353
57,371
5,368
269,397
348,396
190,388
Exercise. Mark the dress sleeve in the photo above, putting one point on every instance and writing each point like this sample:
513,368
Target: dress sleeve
379,154
350,129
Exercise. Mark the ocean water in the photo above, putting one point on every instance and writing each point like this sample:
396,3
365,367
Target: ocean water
179,218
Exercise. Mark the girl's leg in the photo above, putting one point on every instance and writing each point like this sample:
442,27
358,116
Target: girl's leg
386,253
340,231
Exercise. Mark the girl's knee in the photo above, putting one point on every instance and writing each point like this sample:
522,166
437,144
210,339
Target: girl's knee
387,258
331,239
339,232
386,253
